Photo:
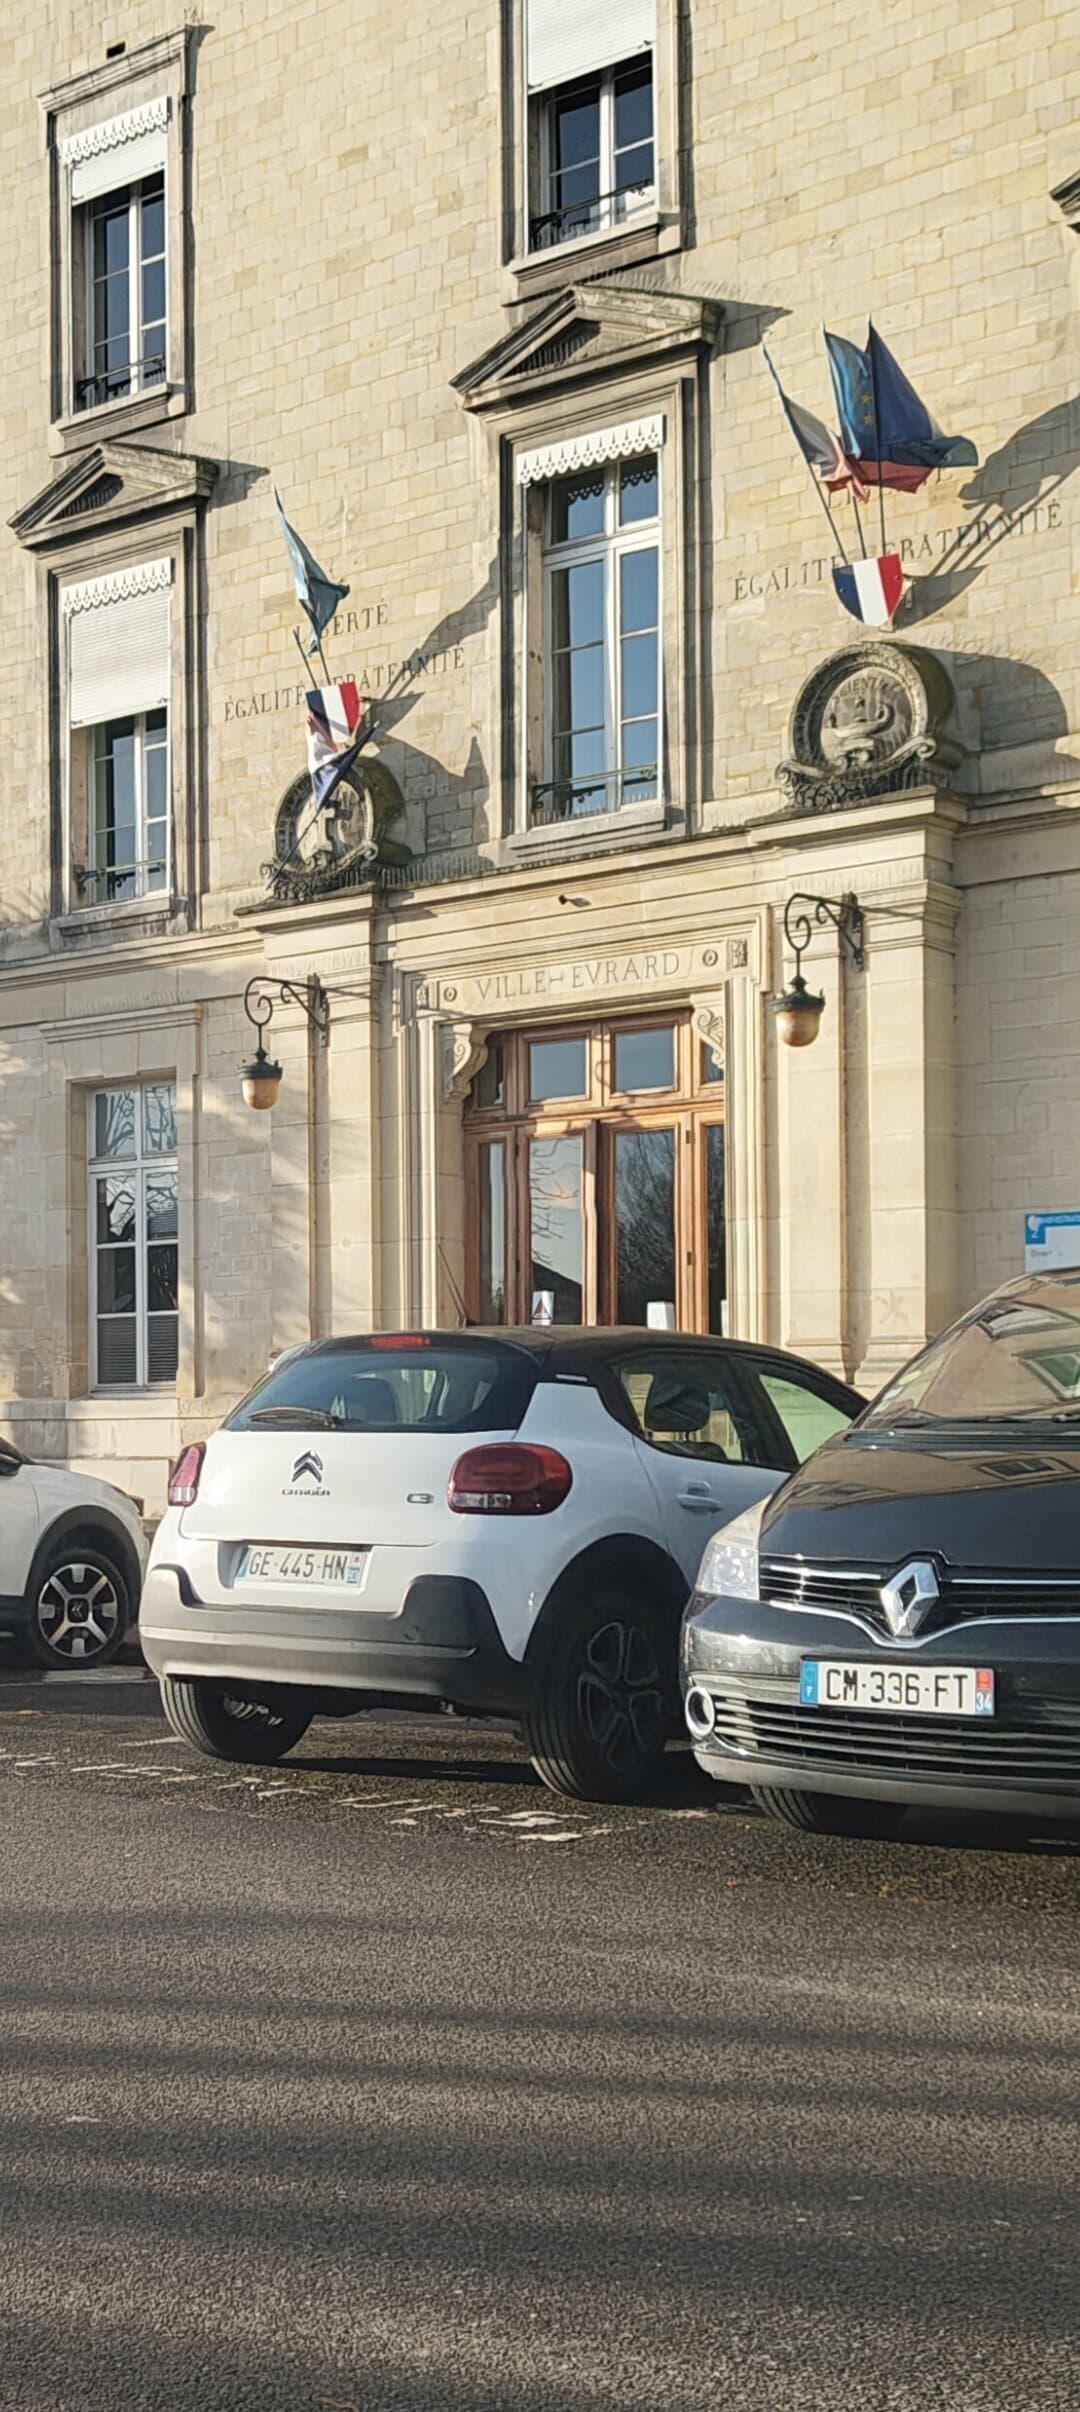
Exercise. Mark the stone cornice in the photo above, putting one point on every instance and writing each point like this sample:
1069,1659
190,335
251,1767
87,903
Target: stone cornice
108,484
114,75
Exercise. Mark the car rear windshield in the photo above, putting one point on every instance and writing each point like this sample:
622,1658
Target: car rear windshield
1013,1360
393,1386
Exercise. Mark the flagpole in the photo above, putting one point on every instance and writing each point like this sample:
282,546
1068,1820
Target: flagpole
877,436
858,522
827,508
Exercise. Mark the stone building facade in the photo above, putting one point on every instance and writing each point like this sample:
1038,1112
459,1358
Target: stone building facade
485,298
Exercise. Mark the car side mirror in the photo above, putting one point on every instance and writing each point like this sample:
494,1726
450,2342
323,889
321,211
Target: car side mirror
10,1460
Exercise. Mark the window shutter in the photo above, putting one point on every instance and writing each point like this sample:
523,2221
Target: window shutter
118,644
562,42
101,159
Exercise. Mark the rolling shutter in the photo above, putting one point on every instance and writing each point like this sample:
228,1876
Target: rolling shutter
562,42
101,159
118,644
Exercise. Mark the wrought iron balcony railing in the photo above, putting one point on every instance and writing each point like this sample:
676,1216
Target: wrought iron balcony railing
606,791
110,385
117,883
596,216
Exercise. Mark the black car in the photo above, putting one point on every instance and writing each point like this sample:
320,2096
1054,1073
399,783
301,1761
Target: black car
899,1625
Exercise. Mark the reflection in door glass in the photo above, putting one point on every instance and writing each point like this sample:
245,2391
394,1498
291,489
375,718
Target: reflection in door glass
492,1234
716,1217
557,1068
644,1222
556,1225
645,1059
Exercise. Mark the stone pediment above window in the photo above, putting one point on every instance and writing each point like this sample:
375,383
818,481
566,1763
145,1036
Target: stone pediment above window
112,486
590,330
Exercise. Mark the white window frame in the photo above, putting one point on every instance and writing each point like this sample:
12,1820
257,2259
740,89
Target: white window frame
98,873
140,1166
84,214
609,548
610,219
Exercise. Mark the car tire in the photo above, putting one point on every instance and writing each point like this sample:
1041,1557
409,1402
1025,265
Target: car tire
225,1722
605,1699
828,1812
78,1604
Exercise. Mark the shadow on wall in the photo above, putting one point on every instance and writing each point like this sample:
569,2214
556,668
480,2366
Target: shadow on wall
1002,703
1017,489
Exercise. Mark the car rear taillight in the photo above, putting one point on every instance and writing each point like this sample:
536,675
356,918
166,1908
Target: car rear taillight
509,1478
184,1475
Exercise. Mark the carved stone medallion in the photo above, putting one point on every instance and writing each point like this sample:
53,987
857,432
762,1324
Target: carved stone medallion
866,723
342,846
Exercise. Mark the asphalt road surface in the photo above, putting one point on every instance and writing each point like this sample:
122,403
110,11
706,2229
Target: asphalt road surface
382,2080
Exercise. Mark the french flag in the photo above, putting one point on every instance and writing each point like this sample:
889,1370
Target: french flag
332,742
333,718
871,590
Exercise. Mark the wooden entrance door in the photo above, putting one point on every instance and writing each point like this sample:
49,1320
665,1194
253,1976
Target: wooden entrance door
595,1164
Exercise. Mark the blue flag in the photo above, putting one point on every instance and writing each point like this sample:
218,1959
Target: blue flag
906,429
317,594
883,423
853,386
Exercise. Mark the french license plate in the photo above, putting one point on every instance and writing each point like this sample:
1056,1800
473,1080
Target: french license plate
329,1566
843,1683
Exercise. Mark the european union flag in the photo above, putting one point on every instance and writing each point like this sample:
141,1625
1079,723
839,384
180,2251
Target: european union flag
906,429
883,422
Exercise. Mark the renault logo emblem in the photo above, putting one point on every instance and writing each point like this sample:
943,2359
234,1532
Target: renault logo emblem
908,1597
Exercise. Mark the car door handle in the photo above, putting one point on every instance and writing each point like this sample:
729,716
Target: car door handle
697,1495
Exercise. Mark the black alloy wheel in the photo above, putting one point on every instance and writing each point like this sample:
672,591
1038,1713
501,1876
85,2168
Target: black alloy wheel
224,1721
605,1700
79,1606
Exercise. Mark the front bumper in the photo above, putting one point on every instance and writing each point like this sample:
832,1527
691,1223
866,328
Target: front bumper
442,1645
747,1655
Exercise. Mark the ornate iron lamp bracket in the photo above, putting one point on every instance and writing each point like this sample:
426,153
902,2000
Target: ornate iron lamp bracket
261,994
846,917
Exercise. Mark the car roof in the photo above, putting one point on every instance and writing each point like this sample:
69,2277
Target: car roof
570,1347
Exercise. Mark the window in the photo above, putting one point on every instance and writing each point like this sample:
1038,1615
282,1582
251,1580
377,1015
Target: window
452,1385
123,248
808,1418
131,828
118,678
602,649
596,163
690,1405
133,1236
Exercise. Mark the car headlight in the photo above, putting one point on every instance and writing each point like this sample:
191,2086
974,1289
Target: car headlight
730,1563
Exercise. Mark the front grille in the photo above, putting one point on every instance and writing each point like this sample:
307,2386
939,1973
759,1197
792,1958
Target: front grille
867,1742
966,1593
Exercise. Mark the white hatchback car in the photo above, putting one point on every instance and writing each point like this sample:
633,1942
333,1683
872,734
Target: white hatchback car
497,1522
72,1553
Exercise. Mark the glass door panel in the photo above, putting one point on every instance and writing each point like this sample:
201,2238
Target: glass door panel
643,1188
556,1176
716,1225
491,1229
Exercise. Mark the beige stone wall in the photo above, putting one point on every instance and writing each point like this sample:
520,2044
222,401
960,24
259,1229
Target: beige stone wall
348,261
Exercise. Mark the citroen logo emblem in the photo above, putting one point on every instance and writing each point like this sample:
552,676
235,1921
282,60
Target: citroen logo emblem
908,1597
311,1464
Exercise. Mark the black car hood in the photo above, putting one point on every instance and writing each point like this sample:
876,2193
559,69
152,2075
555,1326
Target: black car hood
994,1500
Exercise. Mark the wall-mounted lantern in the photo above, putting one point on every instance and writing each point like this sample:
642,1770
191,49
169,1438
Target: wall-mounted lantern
261,1079
798,1012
